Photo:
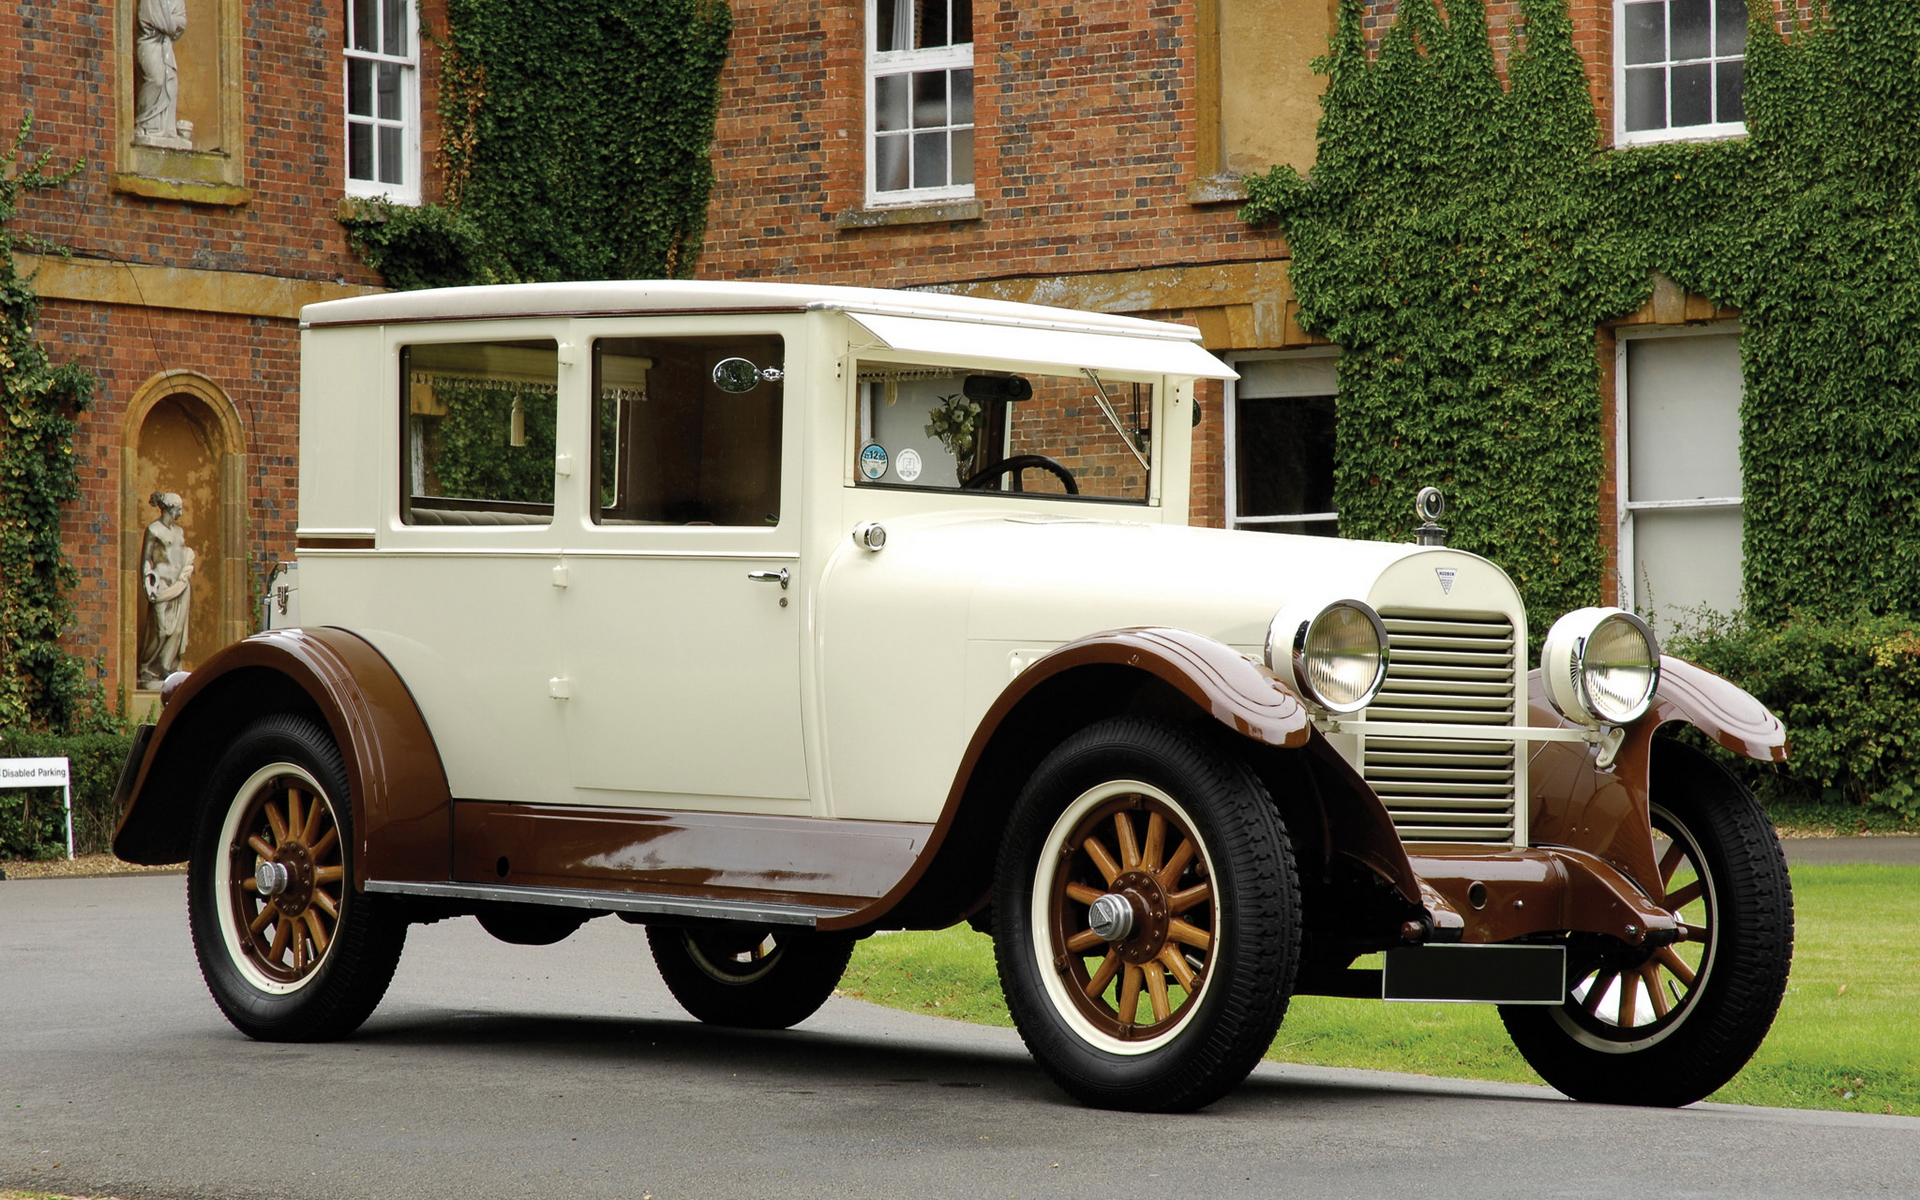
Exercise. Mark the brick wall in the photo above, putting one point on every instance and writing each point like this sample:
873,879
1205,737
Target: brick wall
60,62
1084,151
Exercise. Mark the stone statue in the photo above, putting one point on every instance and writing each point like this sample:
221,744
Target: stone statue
156,107
166,575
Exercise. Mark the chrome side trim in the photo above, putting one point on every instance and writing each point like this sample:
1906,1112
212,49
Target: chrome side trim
756,911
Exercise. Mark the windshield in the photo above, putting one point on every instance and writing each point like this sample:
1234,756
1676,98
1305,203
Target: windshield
951,428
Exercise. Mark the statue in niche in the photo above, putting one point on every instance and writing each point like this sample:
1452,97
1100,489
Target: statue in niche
160,23
166,576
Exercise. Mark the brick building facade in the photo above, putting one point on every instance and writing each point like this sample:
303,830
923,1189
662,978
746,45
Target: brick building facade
192,254
1107,144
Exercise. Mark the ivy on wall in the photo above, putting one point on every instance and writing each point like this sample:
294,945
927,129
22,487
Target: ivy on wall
1461,240
41,684
574,145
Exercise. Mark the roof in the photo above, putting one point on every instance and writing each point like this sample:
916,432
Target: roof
642,296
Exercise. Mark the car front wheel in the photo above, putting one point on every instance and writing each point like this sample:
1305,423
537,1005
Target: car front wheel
1669,1025
287,947
1147,918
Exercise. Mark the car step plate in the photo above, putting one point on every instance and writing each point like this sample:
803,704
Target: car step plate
1483,974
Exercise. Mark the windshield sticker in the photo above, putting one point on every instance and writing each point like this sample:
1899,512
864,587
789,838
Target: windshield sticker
873,460
908,468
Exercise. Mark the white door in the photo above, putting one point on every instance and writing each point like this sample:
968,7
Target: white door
1683,476
682,647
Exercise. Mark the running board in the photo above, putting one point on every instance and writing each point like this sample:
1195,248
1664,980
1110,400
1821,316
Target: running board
758,912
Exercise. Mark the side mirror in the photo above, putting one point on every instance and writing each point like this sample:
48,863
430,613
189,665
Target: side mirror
737,376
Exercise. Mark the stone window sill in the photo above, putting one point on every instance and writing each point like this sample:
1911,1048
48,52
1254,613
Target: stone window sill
1217,189
911,214
188,191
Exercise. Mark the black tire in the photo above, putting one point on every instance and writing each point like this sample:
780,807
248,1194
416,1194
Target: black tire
749,978
317,969
1634,1029
1212,1009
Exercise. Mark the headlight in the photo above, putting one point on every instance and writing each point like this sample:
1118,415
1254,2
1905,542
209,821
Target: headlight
1335,656
1601,666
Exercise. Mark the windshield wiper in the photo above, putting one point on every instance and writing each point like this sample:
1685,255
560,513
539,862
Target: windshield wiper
1113,417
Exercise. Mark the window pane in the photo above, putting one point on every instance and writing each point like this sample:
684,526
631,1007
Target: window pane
480,420
1683,417
685,453
1646,99
962,22
930,160
893,25
359,87
1692,95
1684,559
1730,105
890,102
962,156
1692,29
359,151
933,23
929,99
389,91
890,163
364,25
390,170
1283,455
963,97
393,37
1646,33
1730,27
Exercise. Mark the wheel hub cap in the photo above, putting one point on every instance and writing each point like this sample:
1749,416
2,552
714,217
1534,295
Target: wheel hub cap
1111,917
1146,900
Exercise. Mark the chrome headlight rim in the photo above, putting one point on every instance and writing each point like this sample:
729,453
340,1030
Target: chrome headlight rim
1290,636
1567,675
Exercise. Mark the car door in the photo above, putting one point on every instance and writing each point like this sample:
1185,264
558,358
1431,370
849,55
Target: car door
682,626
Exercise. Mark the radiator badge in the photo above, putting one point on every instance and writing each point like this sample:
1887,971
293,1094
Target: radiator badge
1447,576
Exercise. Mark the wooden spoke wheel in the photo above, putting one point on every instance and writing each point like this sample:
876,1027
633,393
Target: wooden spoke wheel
748,977
286,877
289,950
1669,1024
1129,913
1146,917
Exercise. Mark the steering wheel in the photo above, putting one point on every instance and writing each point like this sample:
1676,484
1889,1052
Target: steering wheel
1018,463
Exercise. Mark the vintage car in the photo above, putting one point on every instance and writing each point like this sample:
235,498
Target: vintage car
770,617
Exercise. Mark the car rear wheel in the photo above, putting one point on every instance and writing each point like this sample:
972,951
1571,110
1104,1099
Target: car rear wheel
1669,1025
750,978
290,951
1147,918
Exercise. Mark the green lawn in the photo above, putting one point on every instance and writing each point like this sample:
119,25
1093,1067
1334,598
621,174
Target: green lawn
1845,1038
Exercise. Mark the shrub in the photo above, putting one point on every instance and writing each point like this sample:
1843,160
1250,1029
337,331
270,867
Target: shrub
1848,689
32,825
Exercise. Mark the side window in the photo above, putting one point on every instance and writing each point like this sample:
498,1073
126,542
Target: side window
383,101
1680,72
671,447
919,100
1281,446
478,420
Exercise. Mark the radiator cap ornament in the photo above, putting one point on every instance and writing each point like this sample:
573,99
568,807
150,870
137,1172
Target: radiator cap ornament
1428,506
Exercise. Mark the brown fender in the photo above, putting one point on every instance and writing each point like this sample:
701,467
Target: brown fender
1605,813
402,810
1104,674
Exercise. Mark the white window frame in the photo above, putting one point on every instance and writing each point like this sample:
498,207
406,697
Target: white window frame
1230,435
1671,133
1624,509
897,62
407,191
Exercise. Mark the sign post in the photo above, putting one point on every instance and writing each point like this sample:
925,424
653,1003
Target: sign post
42,772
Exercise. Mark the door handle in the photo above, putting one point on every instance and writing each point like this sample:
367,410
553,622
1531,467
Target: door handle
780,577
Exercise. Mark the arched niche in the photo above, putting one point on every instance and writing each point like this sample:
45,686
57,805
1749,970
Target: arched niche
184,435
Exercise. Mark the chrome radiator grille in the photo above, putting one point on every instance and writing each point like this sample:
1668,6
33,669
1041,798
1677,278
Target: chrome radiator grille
1456,670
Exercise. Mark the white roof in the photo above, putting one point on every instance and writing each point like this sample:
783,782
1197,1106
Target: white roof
639,297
